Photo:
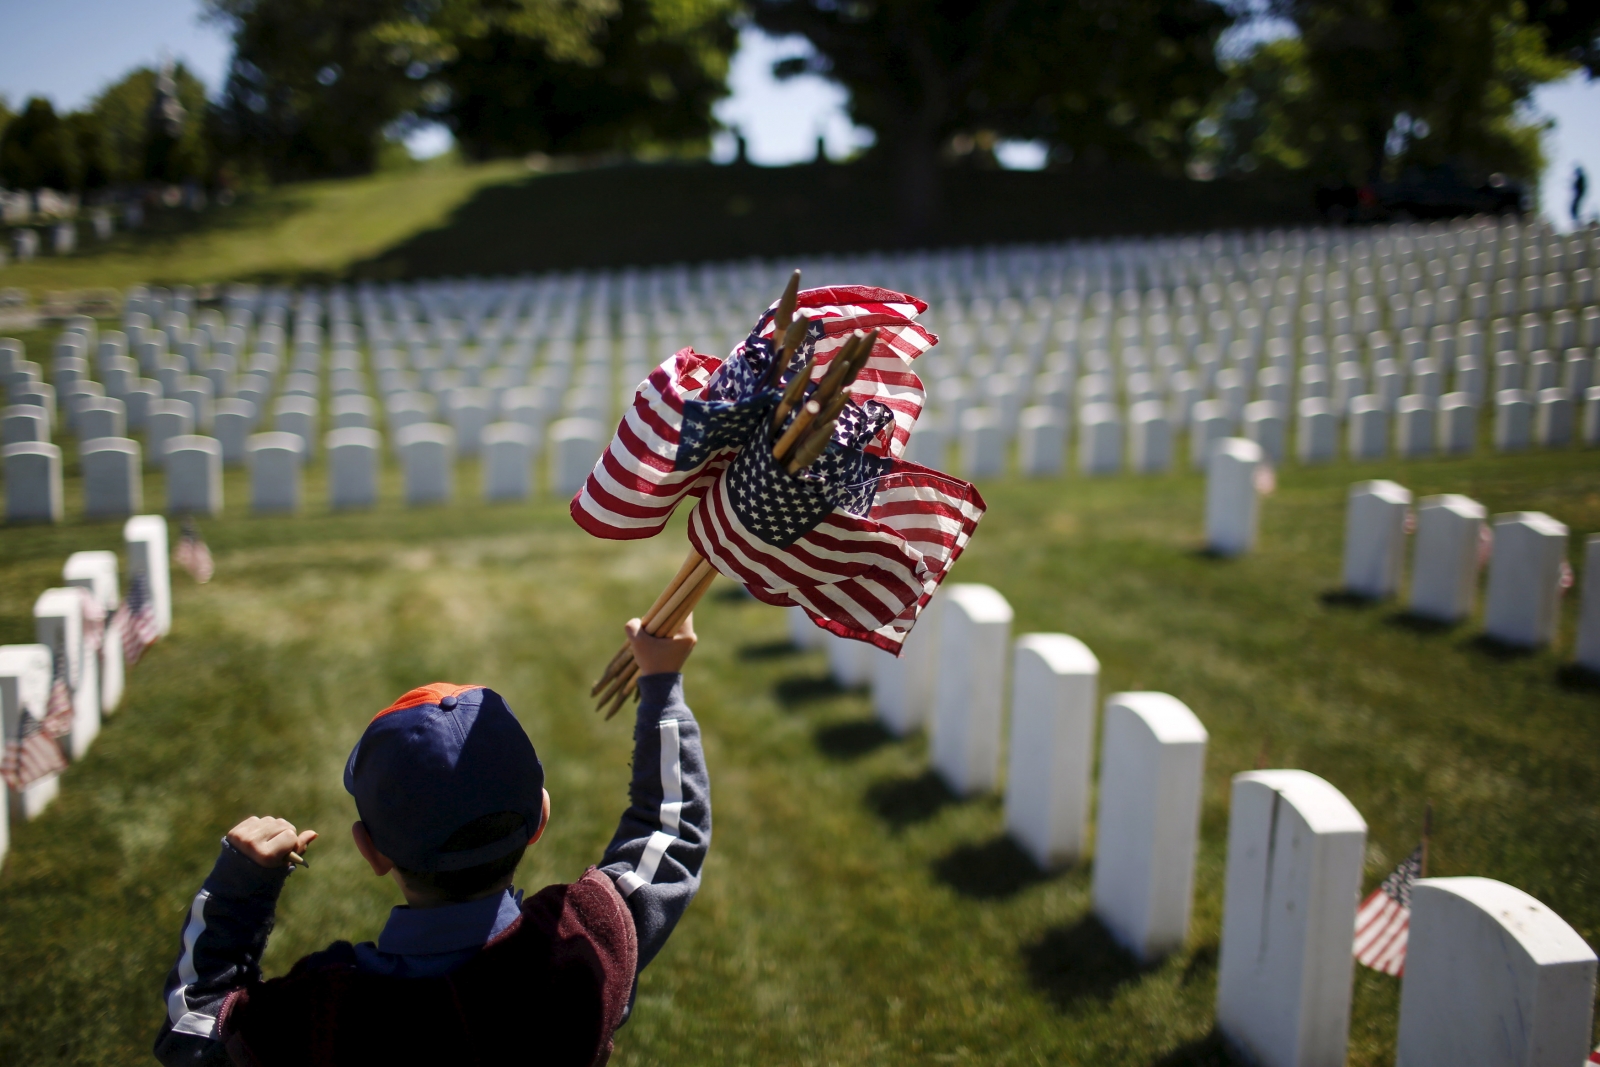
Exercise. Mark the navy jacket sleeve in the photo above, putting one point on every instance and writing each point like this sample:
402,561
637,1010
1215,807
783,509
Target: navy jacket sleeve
224,934
662,839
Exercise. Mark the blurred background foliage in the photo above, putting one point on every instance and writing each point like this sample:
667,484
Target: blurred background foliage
1333,92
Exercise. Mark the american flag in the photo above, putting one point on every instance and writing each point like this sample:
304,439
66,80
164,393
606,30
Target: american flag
1384,919
30,755
861,539
58,709
193,555
138,613
1594,1057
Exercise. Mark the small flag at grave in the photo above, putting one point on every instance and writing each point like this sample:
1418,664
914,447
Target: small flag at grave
793,446
30,755
1384,919
193,555
58,709
138,620
1594,1058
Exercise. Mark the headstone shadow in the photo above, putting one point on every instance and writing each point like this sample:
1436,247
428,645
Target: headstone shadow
798,690
1580,679
1343,598
1404,620
1208,1051
851,740
992,870
1499,650
1080,962
903,802
767,650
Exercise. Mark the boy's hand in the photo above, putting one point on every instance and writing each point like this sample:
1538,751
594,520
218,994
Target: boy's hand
268,840
661,655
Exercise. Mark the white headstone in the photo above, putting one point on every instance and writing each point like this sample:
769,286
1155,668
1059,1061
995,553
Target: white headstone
113,480
849,661
1317,436
427,455
354,411
1149,437
1445,559
58,625
1208,424
1099,438
1457,424
353,456
1264,424
903,687
274,461
1368,428
803,633
194,475
1152,768
575,447
1591,416
1042,441
1375,538
1493,978
25,673
1587,653
21,423
1554,419
929,443
1513,420
1232,502
1414,424
298,415
1523,603
974,640
33,482
1049,776
983,443
102,417
165,420
1284,971
97,572
146,540
507,461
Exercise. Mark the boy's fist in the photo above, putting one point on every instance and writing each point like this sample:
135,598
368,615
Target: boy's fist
661,655
268,840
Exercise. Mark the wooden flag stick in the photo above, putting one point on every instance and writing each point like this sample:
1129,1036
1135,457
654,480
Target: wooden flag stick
796,428
782,328
690,562
614,696
793,392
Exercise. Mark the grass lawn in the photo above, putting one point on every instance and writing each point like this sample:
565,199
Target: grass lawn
301,230
852,911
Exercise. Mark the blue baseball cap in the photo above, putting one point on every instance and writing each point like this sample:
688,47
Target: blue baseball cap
438,758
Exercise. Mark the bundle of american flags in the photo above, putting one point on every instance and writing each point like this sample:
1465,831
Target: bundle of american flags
193,555
792,449
1384,919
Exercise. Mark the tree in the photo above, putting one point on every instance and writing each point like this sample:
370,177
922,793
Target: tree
313,83
123,111
613,75
37,151
1102,78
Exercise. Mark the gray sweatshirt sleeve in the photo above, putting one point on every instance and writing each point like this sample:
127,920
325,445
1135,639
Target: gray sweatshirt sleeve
662,839
224,933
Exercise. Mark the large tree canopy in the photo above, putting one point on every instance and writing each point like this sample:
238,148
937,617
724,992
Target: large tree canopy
1101,78
1370,88
38,150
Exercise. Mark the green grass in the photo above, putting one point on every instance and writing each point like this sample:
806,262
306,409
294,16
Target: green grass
304,230
852,911
445,218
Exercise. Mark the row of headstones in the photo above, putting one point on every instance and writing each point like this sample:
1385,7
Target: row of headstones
1526,552
93,676
1145,442
113,480
1492,977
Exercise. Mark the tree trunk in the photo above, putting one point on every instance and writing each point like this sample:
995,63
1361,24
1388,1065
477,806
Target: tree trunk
919,201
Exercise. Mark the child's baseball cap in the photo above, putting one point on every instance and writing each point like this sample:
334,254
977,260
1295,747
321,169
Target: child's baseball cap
435,760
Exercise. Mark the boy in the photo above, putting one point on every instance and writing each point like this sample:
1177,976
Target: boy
450,793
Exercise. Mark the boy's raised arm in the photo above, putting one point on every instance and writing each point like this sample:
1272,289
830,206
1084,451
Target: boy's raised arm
224,933
661,840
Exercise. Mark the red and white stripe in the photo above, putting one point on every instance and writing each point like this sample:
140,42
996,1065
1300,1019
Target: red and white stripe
1382,926
634,487
30,756
865,578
